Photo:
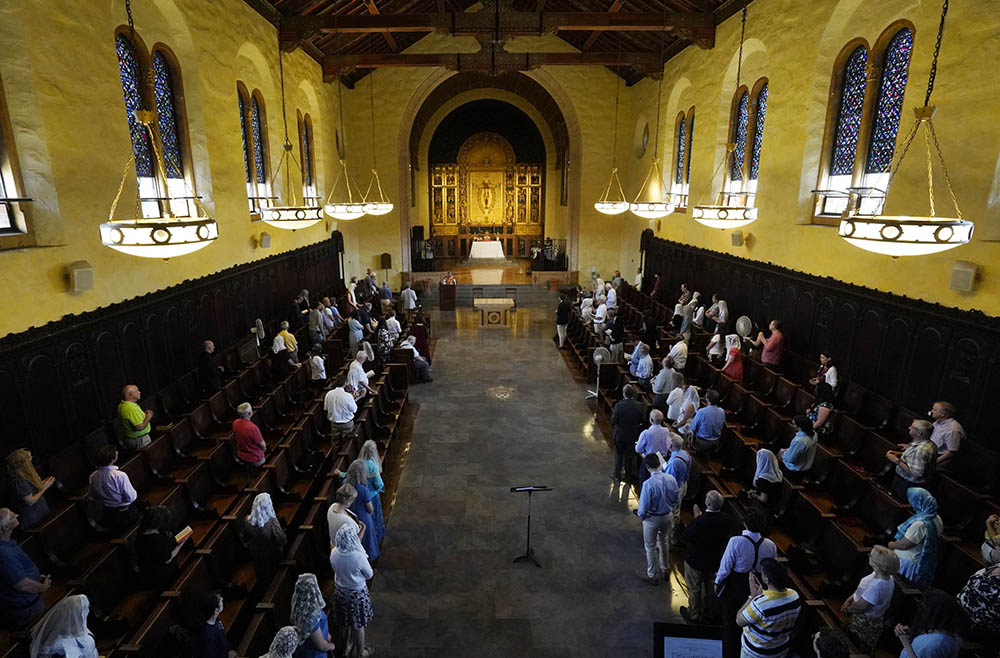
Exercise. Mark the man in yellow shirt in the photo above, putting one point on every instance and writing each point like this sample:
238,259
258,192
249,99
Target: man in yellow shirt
290,342
135,421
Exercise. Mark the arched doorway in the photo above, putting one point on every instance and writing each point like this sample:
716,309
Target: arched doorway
555,121
486,168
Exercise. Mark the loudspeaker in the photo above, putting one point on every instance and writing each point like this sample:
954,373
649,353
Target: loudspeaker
387,260
81,276
417,232
737,238
963,276
263,241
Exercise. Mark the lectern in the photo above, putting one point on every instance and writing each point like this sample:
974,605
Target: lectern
446,296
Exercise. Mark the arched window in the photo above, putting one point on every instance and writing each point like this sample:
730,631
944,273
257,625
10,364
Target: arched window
160,100
128,64
15,230
741,120
760,109
306,159
681,148
866,103
747,136
890,102
682,159
253,133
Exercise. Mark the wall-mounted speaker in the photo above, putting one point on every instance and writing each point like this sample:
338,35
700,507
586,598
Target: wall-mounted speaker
737,238
963,276
262,241
81,276
386,260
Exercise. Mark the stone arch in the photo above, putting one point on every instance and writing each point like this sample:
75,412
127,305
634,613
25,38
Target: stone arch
539,91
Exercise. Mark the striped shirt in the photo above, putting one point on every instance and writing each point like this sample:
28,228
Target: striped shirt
770,619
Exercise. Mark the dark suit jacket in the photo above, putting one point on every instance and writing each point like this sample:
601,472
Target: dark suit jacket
627,420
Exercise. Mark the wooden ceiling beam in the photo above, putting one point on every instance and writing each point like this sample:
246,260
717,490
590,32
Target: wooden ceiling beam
697,27
335,66
373,10
613,9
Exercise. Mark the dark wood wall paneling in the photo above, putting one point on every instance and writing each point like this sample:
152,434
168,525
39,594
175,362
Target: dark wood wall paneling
910,351
61,381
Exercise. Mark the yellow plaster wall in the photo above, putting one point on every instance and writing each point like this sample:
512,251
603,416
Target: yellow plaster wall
63,93
794,45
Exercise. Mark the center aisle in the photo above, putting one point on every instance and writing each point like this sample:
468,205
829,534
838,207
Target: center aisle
445,584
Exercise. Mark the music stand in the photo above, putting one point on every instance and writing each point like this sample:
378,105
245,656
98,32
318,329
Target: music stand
529,555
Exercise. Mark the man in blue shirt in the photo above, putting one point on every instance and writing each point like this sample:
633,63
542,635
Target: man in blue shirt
657,501
707,425
655,439
20,582
799,455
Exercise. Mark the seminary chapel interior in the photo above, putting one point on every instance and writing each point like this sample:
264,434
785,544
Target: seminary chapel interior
304,300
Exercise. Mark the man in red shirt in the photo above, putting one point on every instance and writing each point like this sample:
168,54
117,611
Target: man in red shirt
773,346
250,444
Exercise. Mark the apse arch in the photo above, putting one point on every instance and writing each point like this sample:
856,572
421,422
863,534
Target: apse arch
539,96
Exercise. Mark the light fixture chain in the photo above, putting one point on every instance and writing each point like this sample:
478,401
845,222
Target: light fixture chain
937,51
371,103
944,168
659,95
930,172
131,24
618,79
739,59
121,186
902,154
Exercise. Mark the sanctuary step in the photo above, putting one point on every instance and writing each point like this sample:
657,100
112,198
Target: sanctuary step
524,293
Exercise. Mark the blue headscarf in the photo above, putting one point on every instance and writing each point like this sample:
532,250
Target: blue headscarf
921,570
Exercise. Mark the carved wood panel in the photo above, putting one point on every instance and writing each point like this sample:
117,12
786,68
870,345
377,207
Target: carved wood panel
61,381
910,351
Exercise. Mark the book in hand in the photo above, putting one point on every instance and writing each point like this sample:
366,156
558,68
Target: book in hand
184,534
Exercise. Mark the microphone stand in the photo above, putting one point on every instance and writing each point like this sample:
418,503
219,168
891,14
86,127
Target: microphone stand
529,554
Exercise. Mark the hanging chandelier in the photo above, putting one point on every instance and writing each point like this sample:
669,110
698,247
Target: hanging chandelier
167,235
345,209
654,208
617,204
382,205
725,214
904,235
291,216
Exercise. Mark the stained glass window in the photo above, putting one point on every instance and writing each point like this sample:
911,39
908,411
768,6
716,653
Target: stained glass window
128,64
681,139
852,100
307,156
895,69
758,131
690,145
740,136
166,116
243,133
258,142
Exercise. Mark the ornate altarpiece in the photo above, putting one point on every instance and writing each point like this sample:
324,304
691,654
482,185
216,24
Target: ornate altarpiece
487,192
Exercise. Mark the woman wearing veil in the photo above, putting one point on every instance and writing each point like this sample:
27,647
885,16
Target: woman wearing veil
282,363
917,538
284,644
63,631
767,480
352,603
309,618
363,506
734,359
263,536
373,464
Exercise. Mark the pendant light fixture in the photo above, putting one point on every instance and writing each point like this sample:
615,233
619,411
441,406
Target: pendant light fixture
654,208
164,236
616,204
291,216
381,205
727,215
904,235
344,208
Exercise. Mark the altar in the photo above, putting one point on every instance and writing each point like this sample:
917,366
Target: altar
494,312
486,249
